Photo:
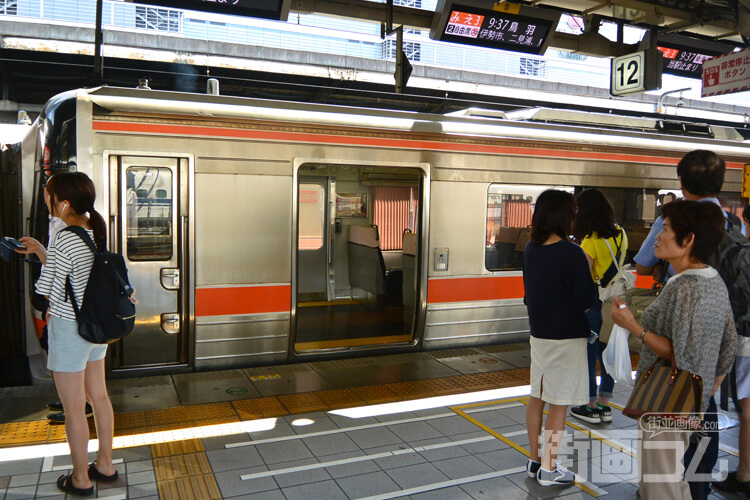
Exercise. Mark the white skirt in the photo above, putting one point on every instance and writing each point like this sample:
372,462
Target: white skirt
559,371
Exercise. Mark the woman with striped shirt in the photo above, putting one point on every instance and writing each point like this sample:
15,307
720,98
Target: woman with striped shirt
77,365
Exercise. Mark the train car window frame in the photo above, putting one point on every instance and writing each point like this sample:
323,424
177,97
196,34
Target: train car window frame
311,223
508,223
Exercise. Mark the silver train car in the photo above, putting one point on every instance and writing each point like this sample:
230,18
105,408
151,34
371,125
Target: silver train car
260,232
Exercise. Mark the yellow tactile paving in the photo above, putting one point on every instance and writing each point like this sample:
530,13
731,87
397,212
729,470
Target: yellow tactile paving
56,433
247,409
445,385
177,448
130,420
303,403
410,389
213,410
131,432
194,487
24,432
376,394
168,415
177,466
341,398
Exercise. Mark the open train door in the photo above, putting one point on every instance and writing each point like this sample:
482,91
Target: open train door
358,269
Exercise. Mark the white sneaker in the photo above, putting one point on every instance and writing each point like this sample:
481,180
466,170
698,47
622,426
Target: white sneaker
555,477
532,468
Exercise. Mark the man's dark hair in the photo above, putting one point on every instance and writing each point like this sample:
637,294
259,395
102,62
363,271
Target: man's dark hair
704,220
702,172
553,214
595,215
746,213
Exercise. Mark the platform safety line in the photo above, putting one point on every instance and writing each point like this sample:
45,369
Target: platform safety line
58,468
589,488
338,431
445,484
364,458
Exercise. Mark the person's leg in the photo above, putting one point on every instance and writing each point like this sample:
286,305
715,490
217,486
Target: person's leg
708,454
744,440
660,465
96,393
553,434
534,415
70,388
607,383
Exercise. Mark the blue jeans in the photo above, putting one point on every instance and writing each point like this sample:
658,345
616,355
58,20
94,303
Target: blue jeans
594,352
700,490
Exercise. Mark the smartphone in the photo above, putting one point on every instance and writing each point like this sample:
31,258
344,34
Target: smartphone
14,242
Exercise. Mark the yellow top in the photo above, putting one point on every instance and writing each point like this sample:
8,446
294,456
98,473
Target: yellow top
596,248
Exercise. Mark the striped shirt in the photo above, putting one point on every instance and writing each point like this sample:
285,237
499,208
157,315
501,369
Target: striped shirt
70,256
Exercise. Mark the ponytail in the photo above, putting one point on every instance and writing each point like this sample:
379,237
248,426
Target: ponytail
99,228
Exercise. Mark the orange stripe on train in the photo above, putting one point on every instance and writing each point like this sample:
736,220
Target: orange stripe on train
488,288
152,128
243,300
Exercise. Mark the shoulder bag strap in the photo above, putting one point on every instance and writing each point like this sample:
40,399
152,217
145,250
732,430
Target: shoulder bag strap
614,259
81,232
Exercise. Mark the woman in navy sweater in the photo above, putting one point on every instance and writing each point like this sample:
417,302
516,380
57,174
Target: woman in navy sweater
558,291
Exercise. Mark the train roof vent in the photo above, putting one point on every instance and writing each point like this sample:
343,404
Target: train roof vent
479,113
680,128
549,115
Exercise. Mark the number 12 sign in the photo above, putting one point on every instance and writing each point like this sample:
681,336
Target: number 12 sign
628,74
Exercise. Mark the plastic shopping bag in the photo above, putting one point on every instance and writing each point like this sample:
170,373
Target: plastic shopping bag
616,356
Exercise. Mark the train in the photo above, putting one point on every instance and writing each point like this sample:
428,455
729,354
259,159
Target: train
261,232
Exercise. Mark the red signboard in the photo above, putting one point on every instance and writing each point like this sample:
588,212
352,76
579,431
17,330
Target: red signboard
726,74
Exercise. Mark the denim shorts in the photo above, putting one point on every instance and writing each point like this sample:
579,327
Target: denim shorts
68,352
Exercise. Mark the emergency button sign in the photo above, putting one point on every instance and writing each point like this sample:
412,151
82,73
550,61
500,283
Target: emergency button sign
726,74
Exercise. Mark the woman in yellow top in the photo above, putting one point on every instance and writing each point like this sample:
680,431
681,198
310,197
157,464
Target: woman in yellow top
595,227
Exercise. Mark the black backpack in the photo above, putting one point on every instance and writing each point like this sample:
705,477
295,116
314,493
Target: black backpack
107,314
732,260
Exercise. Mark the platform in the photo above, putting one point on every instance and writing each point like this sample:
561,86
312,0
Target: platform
435,425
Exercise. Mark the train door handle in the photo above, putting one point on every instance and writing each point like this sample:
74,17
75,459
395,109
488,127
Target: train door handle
170,323
170,278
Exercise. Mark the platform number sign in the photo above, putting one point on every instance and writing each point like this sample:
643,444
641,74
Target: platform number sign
628,74
636,72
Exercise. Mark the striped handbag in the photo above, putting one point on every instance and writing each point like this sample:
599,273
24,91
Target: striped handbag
666,393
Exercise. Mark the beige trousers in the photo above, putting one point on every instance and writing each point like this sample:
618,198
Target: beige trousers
660,467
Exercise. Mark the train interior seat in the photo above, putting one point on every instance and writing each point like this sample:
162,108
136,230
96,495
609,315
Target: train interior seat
367,267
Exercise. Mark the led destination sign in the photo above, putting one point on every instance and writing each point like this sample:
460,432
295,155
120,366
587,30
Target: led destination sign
264,9
684,61
498,30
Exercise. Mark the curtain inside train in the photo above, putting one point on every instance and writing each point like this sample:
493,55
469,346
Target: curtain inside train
394,210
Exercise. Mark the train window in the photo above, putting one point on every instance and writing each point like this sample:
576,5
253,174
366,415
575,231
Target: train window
311,215
149,208
509,211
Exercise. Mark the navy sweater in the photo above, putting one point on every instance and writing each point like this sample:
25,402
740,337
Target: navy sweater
559,290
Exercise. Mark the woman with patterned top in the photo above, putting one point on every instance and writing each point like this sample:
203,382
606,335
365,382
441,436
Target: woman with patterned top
690,320
77,365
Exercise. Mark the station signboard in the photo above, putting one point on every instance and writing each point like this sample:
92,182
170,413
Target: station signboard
726,74
277,10
507,26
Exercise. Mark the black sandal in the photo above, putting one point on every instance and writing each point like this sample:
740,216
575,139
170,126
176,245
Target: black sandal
65,483
98,476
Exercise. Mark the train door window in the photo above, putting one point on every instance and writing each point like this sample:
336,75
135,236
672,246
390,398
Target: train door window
149,211
311,216
509,211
